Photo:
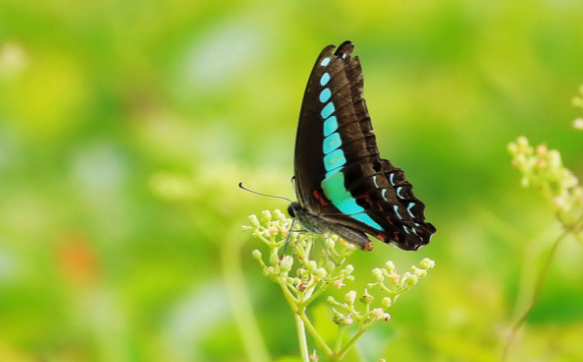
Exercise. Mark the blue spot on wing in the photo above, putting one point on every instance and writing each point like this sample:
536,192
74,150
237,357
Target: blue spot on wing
325,79
325,95
331,143
328,110
325,62
334,160
330,126
411,204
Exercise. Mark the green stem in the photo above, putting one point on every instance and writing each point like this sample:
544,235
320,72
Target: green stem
348,346
320,290
291,299
319,340
302,338
537,290
339,337
238,296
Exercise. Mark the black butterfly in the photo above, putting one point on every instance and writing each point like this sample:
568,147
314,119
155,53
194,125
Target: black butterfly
342,184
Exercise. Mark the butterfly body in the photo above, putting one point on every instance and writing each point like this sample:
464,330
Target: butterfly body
342,184
321,225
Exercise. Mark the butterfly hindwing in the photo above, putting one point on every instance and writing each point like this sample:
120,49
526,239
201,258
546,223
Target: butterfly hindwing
340,177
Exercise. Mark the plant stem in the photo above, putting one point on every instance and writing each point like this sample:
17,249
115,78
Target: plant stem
537,290
238,296
339,338
302,338
312,297
350,343
319,340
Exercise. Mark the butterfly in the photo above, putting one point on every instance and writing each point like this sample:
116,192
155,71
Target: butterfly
341,183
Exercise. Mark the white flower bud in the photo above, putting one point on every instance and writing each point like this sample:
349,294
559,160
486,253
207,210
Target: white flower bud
350,297
427,263
256,254
266,216
286,264
274,259
254,221
378,274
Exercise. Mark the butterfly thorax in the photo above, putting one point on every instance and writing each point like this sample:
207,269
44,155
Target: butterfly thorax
317,224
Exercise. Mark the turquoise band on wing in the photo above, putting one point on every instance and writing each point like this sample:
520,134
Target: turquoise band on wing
335,191
327,110
331,143
325,95
325,79
333,185
330,126
334,160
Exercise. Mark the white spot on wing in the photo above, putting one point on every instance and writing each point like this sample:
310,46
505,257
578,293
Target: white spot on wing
399,189
396,208
411,204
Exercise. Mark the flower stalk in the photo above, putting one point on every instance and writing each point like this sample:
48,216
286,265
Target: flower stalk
543,169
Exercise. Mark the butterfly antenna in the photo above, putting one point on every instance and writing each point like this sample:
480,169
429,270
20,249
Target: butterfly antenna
260,194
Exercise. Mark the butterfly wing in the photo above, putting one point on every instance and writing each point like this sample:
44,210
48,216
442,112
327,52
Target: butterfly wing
339,173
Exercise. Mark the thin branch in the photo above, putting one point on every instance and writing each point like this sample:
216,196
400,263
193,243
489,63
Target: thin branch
302,338
319,340
537,291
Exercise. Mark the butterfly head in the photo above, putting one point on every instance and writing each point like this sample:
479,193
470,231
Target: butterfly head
293,209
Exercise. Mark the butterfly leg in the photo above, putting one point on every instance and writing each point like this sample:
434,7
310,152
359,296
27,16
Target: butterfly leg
288,238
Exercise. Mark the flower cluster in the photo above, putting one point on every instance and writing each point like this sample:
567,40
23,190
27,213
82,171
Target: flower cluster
309,274
398,284
544,169
304,271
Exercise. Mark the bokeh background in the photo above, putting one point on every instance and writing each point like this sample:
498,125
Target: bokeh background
125,127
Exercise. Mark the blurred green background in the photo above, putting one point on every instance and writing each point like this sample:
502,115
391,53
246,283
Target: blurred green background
125,127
